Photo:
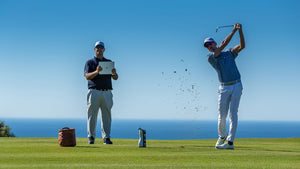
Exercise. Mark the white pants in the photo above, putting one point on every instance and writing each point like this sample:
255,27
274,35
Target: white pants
99,99
229,99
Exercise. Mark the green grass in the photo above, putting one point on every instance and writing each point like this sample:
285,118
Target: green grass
249,153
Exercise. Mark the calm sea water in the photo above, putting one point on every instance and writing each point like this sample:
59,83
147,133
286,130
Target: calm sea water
155,129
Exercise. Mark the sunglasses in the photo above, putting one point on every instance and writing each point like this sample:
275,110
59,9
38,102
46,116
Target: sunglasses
208,44
100,47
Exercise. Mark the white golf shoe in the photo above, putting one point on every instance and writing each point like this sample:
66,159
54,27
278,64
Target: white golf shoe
221,141
225,146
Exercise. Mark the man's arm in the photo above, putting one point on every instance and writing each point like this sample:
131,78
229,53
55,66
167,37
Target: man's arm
225,42
93,74
241,46
114,74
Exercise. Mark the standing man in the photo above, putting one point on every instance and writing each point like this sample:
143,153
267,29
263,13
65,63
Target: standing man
230,89
99,95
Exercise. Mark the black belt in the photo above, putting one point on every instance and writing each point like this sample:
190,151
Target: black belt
230,83
99,89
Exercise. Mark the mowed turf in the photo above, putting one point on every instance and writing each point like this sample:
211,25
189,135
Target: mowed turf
124,153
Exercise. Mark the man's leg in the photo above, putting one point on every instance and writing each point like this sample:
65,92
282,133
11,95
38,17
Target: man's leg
106,114
224,99
233,116
93,103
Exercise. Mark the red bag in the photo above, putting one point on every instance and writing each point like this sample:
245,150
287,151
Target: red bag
66,137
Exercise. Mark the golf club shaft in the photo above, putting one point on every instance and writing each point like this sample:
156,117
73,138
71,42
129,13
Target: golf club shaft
225,26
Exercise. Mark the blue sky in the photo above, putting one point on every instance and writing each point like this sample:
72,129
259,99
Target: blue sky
158,50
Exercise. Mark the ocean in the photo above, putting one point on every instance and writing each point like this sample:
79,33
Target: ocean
155,129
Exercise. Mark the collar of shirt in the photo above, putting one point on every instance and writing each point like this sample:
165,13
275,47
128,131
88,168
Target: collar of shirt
98,60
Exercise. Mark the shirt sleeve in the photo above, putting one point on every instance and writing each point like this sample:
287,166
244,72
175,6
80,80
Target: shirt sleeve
233,53
211,59
87,68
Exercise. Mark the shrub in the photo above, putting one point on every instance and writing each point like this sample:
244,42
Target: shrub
5,130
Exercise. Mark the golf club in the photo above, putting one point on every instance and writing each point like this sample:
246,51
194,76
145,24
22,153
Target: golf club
218,27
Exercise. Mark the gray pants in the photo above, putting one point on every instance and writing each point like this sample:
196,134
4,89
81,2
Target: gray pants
99,99
229,99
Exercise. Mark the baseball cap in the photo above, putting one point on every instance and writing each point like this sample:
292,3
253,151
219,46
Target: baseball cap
208,40
99,43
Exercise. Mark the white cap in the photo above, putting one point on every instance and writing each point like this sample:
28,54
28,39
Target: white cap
209,40
99,43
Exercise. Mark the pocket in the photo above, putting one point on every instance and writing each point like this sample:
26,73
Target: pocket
88,97
91,96
238,90
109,99
240,87
111,94
222,89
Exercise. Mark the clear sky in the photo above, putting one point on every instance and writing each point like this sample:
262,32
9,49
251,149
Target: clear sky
158,50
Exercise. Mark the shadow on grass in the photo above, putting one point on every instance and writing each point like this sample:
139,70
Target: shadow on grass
264,149
88,147
289,151
179,147
202,146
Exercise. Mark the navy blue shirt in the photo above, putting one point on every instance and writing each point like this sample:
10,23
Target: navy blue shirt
225,65
100,81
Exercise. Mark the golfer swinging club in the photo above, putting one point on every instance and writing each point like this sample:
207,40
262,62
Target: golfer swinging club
230,89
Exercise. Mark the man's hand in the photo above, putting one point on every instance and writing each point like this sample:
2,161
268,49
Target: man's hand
99,69
238,26
114,74
114,71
